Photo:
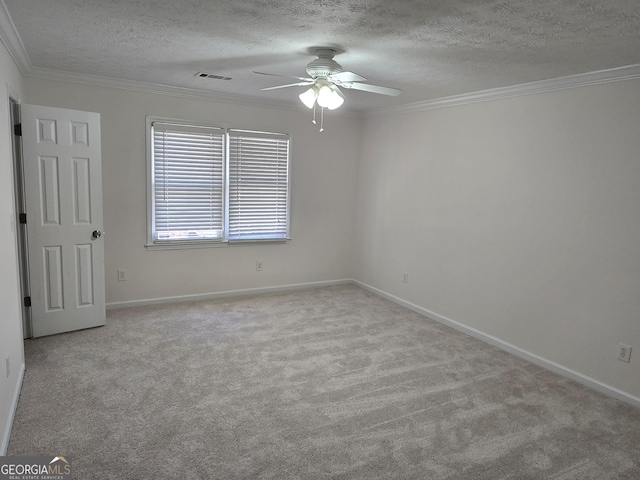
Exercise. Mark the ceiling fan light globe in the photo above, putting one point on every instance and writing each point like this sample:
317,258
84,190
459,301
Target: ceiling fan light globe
324,96
308,97
335,101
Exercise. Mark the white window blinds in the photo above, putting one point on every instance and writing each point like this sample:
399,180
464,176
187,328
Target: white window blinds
188,182
258,185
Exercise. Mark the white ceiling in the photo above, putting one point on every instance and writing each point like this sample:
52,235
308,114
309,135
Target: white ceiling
428,48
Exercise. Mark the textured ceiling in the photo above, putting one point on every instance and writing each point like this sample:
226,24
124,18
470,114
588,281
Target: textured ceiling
428,48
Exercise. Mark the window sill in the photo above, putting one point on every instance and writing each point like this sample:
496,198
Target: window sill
205,244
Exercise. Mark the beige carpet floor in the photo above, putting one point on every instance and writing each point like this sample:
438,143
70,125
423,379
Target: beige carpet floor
330,383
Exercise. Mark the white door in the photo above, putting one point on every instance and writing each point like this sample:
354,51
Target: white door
63,192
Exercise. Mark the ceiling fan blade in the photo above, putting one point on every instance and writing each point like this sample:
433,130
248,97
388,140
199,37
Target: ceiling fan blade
285,76
346,77
365,87
299,84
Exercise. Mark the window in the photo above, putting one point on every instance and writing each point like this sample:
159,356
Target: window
258,185
213,185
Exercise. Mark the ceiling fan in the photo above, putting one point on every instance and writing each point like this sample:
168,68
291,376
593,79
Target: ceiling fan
326,76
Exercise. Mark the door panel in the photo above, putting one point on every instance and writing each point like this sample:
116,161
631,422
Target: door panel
84,275
53,284
82,197
50,190
63,184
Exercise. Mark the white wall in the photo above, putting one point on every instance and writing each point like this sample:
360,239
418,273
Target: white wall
323,195
10,309
517,217
514,217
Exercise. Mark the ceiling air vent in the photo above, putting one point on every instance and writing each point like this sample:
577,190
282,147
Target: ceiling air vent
211,75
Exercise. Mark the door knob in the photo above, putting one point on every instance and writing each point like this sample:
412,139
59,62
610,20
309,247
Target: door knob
97,234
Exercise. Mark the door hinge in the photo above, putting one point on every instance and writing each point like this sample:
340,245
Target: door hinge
27,301
22,218
17,129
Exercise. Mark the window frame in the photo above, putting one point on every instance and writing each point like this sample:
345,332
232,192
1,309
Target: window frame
167,244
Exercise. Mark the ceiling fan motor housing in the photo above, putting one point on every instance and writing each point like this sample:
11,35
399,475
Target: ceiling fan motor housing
324,65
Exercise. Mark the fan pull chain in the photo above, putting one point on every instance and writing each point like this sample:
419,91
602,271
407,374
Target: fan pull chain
322,119
314,114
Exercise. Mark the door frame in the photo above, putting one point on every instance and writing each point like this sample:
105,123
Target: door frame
20,208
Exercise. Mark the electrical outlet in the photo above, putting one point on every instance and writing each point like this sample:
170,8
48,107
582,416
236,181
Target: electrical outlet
624,353
122,275
258,266
8,365
405,277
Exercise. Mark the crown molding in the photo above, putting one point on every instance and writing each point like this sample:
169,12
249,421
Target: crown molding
560,83
11,40
145,87
184,92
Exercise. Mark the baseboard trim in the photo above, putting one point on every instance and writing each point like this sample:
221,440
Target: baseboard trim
519,352
226,293
12,413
